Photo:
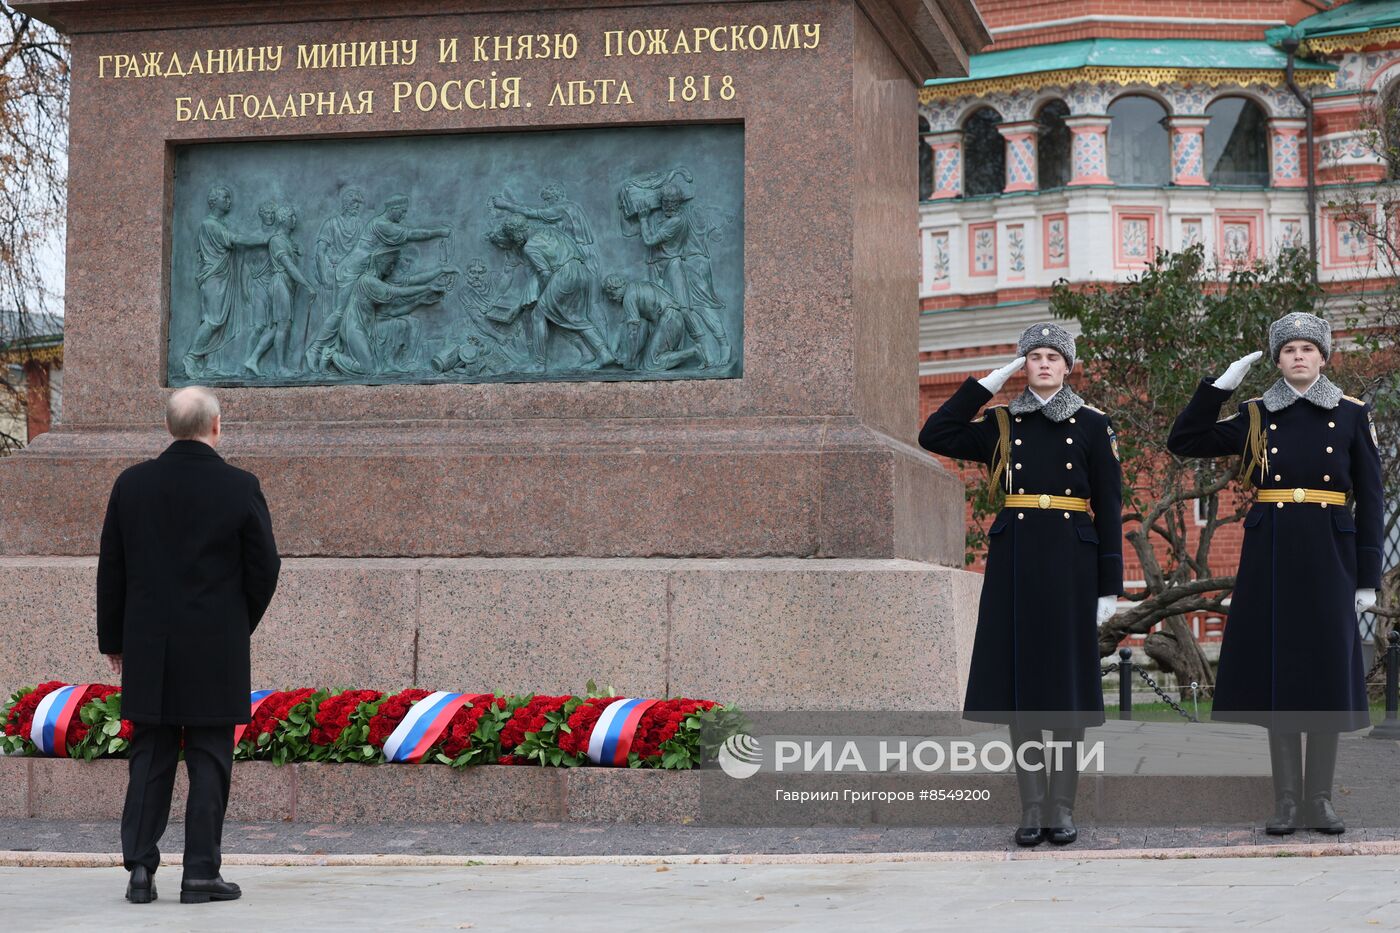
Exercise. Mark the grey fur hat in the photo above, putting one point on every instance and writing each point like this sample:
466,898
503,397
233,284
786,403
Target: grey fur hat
1047,334
1300,326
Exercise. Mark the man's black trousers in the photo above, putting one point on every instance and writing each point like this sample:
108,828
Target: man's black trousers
153,758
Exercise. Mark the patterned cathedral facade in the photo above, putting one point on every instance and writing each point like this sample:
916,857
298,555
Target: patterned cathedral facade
1092,133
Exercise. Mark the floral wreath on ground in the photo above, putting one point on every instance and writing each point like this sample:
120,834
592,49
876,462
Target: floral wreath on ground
372,727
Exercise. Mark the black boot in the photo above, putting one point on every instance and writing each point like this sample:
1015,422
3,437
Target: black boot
1064,787
1286,765
1317,784
141,889
204,890
1031,787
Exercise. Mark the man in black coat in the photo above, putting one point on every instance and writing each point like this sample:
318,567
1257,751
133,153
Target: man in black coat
186,570
1291,658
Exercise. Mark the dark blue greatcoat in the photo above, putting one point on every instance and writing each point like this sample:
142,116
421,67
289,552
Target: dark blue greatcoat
187,567
1291,657
1036,651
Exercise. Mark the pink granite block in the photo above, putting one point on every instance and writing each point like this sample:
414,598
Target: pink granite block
816,634
64,789
14,788
345,793
339,623
53,601
635,795
544,626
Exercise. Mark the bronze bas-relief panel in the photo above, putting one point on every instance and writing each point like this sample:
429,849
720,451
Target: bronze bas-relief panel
596,254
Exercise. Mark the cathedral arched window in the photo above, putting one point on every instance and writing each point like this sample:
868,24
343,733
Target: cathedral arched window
1139,150
1237,142
1053,146
984,153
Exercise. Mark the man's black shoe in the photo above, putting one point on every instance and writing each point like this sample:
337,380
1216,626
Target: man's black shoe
141,888
204,890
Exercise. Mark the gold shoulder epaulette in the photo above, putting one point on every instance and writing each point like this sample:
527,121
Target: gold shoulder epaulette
1092,408
1255,399
985,412
1351,398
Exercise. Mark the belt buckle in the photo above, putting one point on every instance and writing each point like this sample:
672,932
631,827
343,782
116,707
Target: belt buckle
1299,494
1043,501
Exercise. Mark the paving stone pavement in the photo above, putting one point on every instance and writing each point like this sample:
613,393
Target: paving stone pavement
584,839
1293,894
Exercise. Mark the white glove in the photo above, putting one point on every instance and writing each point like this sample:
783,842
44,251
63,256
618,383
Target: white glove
1234,375
1108,605
1365,599
994,380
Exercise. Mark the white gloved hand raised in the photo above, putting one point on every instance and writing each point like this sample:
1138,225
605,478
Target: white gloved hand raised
994,380
1234,375
1108,605
1365,599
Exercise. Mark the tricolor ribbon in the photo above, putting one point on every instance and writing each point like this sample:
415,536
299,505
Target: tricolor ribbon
615,729
49,729
425,723
255,699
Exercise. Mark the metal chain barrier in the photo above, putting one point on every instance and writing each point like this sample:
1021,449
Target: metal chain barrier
1161,693
1137,668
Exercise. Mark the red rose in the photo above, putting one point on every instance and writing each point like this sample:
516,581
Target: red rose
391,712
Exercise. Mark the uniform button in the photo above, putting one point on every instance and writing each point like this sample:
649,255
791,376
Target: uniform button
1018,466
1324,505
1069,440
1273,450
1326,477
1066,515
1280,505
1331,424
1023,514
1071,421
1018,442
1277,478
1273,427
1069,466
1018,420
1020,492
1329,450
1069,492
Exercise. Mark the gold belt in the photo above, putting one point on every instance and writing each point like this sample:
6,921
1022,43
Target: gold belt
1046,501
1325,496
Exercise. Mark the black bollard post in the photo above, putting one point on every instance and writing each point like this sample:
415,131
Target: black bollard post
1390,727
1125,683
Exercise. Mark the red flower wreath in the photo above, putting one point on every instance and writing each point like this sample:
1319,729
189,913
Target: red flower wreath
273,711
77,729
581,724
334,713
457,737
22,714
528,718
391,713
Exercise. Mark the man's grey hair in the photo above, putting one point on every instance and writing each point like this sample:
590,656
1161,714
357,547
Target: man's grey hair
190,413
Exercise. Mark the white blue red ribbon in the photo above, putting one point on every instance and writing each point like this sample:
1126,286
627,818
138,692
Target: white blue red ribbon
255,699
425,723
49,729
615,729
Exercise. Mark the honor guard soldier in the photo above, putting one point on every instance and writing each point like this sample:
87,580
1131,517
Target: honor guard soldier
1054,570
1291,657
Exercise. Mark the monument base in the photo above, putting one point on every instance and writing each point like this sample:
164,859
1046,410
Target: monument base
61,789
818,487
764,633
